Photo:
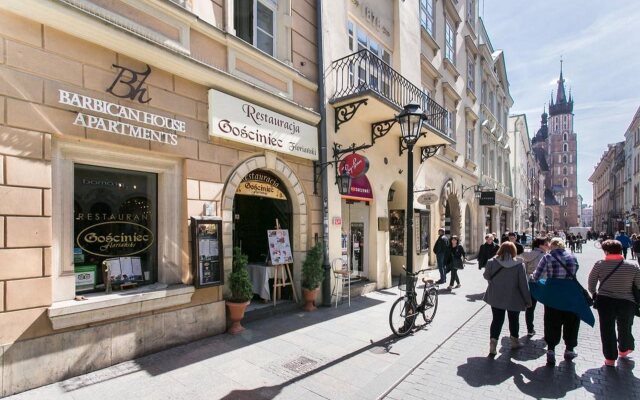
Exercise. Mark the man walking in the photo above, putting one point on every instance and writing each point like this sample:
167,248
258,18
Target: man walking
441,248
488,249
513,239
625,242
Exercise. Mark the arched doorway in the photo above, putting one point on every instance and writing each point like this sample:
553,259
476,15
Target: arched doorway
260,200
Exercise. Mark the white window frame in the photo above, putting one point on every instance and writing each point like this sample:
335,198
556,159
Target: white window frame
470,133
426,16
169,214
450,41
273,6
471,73
471,11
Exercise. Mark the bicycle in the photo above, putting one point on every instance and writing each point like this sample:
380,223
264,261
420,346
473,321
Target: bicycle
405,310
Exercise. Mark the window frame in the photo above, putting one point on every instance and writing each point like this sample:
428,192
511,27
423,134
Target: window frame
426,16
169,210
471,73
449,40
273,7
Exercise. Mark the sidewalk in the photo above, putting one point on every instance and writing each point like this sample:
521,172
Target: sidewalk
335,353
460,368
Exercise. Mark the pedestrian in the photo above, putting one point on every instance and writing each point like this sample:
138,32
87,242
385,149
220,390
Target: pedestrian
504,237
635,246
615,302
488,249
508,292
456,262
624,241
441,248
495,238
513,239
531,259
559,264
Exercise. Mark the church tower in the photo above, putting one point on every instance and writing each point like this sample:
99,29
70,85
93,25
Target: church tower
562,147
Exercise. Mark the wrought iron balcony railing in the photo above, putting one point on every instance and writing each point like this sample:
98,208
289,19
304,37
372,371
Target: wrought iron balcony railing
364,71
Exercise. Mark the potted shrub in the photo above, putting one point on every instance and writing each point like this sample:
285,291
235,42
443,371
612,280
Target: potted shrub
241,290
312,275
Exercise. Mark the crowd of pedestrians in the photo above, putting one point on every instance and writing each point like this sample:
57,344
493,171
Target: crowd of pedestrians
518,280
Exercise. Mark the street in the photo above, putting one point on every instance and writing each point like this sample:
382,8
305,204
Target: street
349,353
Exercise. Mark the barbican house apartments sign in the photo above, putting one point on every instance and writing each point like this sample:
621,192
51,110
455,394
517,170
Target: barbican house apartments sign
238,120
129,87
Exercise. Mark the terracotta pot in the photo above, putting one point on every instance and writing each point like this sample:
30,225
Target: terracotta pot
236,313
309,299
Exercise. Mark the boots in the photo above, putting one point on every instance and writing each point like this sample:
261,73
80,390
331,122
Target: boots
493,348
515,343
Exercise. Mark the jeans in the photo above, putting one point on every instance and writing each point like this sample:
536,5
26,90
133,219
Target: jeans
498,321
560,323
454,276
441,266
624,252
615,312
528,316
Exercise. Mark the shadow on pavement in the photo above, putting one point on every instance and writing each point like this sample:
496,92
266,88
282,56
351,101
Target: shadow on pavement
270,392
544,382
612,383
475,297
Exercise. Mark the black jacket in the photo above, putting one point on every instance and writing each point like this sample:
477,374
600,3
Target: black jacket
486,252
519,248
441,245
456,256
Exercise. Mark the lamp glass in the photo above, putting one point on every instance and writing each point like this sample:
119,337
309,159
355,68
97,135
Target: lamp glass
344,183
410,120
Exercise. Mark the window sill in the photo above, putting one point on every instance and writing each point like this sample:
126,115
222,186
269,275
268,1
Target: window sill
470,165
449,66
101,307
426,36
471,95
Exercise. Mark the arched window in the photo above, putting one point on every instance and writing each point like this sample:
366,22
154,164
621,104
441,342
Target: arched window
564,159
564,170
565,147
565,182
564,137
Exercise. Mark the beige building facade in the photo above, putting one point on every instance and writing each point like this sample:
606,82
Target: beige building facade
119,123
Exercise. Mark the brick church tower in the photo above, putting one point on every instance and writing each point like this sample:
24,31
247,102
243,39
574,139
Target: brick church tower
561,185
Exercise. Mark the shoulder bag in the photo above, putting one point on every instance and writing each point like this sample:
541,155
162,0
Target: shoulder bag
586,294
595,296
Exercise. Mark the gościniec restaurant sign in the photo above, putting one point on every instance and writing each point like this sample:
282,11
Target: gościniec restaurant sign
238,120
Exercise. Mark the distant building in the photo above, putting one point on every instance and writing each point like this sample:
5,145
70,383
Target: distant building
587,216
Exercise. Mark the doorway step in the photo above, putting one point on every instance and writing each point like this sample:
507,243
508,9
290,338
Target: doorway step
361,286
257,311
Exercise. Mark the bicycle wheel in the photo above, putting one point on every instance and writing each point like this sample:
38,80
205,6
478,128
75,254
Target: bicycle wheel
402,316
430,304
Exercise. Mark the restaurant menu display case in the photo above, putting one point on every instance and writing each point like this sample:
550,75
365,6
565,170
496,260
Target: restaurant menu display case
206,251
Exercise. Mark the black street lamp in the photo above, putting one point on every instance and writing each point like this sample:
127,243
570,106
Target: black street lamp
410,120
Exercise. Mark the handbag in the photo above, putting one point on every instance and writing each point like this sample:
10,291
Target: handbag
595,296
586,294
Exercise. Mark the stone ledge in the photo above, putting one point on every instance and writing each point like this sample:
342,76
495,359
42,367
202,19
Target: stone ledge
101,307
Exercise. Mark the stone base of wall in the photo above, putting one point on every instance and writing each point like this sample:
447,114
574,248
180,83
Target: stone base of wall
36,362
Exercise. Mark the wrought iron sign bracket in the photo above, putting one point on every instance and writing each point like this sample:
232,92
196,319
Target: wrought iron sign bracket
338,153
380,129
345,112
427,152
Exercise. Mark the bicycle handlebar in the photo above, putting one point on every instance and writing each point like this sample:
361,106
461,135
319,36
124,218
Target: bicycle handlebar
414,273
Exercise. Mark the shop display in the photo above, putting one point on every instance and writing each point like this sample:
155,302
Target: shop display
396,232
206,250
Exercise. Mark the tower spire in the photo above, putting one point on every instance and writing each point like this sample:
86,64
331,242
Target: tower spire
560,96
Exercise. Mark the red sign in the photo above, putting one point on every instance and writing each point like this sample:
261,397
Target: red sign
337,221
355,165
360,189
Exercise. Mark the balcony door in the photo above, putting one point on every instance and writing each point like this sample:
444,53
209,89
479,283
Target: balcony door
371,72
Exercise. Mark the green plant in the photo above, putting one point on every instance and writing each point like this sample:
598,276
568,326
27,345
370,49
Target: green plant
312,271
239,282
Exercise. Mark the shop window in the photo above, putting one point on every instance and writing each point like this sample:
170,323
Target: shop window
396,232
115,228
423,217
255,21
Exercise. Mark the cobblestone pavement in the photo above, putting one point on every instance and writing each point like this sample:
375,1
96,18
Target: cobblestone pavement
460,369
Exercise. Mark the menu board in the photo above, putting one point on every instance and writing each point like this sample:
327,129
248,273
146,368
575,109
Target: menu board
279,247
206,250
124,269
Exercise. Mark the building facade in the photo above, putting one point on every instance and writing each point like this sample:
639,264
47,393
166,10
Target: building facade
607,201
121,123
521,159
632,160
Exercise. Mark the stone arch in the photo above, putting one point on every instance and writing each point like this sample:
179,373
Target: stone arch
299,211
449,197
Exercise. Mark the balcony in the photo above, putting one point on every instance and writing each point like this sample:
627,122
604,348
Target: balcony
367,86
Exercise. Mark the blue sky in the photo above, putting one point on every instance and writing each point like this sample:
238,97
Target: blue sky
600,45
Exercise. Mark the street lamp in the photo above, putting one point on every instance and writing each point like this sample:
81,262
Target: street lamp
532,219
410,120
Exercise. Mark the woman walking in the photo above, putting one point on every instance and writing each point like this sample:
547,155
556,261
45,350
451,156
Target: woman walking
635,246
531,258
456,258
508,292
615,301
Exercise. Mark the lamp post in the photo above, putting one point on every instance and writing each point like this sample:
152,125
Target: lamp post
532,219
410,120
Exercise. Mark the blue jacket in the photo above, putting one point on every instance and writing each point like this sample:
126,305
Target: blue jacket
624,240
562,294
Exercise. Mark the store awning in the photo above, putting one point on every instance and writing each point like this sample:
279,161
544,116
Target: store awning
360,190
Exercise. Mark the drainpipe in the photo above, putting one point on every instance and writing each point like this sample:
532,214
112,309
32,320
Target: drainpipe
322,138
